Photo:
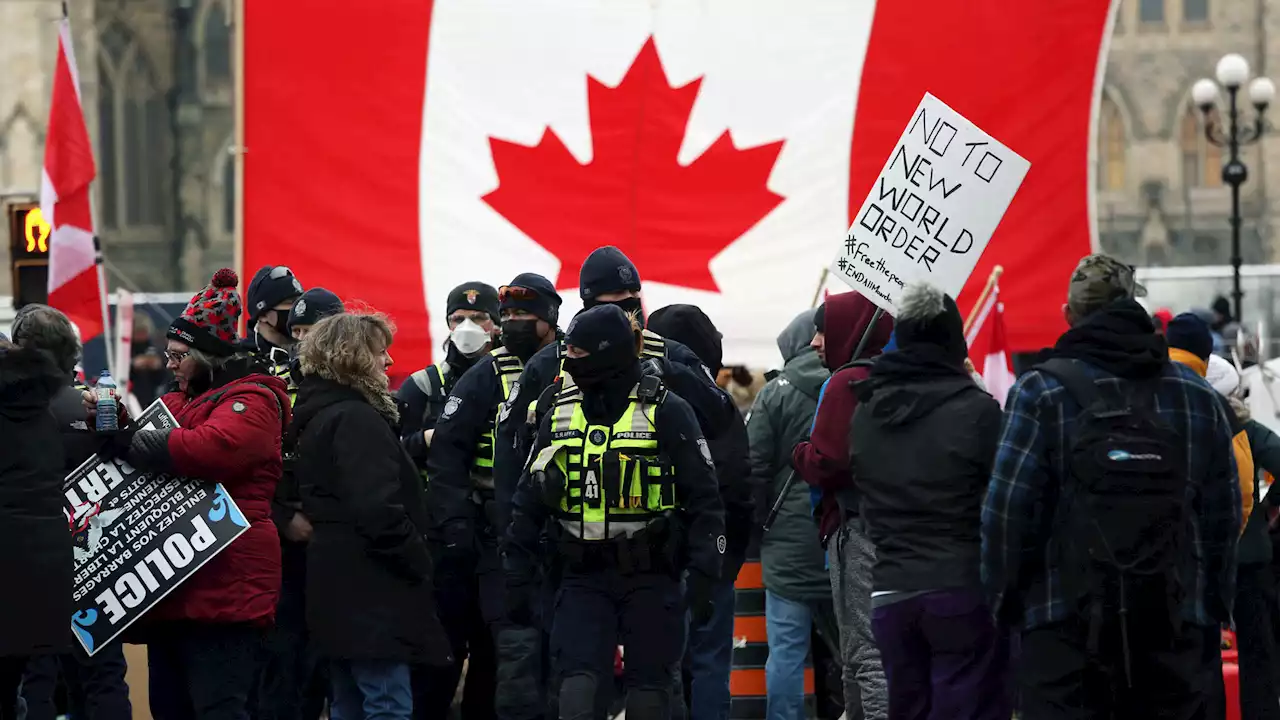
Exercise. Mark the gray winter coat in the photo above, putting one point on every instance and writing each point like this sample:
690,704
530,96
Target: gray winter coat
790,554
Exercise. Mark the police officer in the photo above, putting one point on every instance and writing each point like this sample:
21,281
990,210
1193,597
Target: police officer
608,277
472,313
460,465
272,293
621,466
292,683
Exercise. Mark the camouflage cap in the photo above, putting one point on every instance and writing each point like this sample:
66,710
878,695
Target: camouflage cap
1099,280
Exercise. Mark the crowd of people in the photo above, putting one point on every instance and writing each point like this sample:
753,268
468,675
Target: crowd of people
555,518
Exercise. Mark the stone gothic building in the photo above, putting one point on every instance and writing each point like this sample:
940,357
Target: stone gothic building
157,82
157,85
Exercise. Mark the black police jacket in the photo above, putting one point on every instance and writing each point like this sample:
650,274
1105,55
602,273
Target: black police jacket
697,496
469,412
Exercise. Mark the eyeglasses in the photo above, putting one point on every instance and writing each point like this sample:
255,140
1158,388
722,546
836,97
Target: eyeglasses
176,357
515,292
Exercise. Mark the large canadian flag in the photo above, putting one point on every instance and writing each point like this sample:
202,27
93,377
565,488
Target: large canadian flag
64,198
722,144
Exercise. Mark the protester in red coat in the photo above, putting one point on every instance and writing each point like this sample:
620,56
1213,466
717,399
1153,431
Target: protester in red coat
203,640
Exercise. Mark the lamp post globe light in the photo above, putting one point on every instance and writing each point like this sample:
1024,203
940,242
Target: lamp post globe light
1232,73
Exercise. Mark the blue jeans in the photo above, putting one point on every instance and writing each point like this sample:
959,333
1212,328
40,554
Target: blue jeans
709,658
789,625
371,690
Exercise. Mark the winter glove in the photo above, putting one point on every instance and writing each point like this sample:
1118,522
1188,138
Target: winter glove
654,366
115,445
149,451
699,588
519,605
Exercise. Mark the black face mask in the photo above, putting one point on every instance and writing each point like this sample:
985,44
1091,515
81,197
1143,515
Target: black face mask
593,370
630,306
521,338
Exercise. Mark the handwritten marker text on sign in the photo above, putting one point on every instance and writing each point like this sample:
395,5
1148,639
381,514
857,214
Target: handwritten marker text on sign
933,208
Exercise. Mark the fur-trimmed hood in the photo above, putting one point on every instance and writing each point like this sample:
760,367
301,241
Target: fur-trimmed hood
28,381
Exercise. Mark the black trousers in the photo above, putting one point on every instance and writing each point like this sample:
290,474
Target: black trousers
1255,598
96,686
293,684
469,603
10,679
1061,680
203,671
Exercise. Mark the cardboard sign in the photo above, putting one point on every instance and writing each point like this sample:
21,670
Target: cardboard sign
138,536
932,210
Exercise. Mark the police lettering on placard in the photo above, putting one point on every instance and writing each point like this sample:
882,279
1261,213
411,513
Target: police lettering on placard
138,536
932,210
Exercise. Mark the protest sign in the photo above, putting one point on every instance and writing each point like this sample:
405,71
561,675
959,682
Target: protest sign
137,536
932,210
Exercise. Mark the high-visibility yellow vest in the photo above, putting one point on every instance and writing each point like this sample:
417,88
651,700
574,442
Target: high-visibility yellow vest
615,479
507,367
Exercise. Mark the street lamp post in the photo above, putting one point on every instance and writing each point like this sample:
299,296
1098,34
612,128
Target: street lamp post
1232,72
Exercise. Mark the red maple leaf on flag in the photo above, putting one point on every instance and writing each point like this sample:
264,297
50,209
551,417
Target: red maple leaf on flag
670,219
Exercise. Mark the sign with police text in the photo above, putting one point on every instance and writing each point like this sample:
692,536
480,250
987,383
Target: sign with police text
932,210
138,536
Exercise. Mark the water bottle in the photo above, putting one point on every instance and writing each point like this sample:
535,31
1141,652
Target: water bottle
108,405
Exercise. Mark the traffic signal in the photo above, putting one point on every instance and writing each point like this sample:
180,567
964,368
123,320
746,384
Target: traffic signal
29,253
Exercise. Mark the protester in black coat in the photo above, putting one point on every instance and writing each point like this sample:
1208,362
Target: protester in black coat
95,685
370,605
36,563
921,446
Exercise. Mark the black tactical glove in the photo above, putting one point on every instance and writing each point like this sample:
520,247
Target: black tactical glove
699,587
149,451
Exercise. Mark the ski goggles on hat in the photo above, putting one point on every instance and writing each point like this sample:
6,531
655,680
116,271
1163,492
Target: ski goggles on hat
280,271
507,293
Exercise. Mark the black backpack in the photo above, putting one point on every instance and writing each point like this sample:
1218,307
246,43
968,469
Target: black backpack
1123,520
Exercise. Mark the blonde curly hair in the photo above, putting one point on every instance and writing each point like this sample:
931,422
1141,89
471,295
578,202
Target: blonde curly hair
347,349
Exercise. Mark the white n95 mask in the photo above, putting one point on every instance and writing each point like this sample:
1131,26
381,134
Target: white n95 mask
469,337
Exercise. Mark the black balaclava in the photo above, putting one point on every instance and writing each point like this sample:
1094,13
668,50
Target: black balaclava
612,367
608,270
521,336
687,324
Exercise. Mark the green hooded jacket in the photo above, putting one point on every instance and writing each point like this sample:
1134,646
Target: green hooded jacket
790,553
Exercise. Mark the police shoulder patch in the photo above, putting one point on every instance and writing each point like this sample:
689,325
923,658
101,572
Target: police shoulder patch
706,452
451,407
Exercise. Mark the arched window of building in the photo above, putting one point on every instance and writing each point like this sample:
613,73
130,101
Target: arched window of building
132,131
1201,159
213,36
1112,146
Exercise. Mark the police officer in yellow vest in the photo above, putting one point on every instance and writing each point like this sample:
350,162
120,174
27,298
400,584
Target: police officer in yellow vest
471,310
621,469
291,683
460,464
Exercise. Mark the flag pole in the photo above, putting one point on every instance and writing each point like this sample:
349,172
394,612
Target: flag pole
992,280
98,265
239,149
822,280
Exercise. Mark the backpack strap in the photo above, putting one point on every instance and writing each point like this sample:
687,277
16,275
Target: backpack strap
1076,382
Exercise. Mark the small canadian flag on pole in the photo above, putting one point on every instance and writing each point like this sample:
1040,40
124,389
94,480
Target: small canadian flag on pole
76,280
988,346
